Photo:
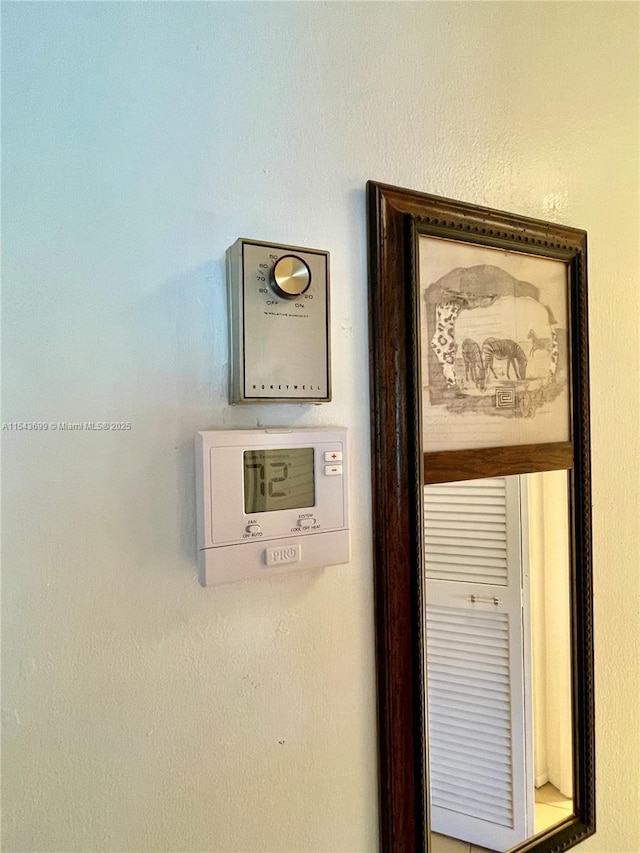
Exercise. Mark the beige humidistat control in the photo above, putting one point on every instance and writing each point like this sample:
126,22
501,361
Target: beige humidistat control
278,323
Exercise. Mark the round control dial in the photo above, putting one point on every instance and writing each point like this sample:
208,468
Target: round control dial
291,276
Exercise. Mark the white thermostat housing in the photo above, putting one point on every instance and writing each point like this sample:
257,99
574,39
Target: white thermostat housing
270,501
278,323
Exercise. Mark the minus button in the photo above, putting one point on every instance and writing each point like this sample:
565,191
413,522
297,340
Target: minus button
332,470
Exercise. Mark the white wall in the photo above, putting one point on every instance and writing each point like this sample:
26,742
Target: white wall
141,712
549,562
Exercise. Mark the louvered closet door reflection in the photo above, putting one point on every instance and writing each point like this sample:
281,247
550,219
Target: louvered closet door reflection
480,788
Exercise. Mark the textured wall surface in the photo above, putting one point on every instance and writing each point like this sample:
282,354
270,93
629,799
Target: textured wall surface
142,713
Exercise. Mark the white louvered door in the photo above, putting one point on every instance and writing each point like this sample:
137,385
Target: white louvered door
481,777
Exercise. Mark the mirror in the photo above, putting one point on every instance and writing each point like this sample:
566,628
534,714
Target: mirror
479,368
498,636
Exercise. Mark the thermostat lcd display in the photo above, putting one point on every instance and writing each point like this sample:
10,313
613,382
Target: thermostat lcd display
278,479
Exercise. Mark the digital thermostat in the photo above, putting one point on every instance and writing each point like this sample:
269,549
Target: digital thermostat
270,501
278,323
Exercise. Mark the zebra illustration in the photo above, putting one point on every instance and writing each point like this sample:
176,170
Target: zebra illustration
473,366
539,343
504,348
549,345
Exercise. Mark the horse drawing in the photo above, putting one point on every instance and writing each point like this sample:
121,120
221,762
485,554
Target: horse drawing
504,349
473,366
537,343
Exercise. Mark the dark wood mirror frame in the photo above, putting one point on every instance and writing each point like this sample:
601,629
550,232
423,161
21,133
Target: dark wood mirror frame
397,218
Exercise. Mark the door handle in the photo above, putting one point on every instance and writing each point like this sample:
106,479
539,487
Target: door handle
478,599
